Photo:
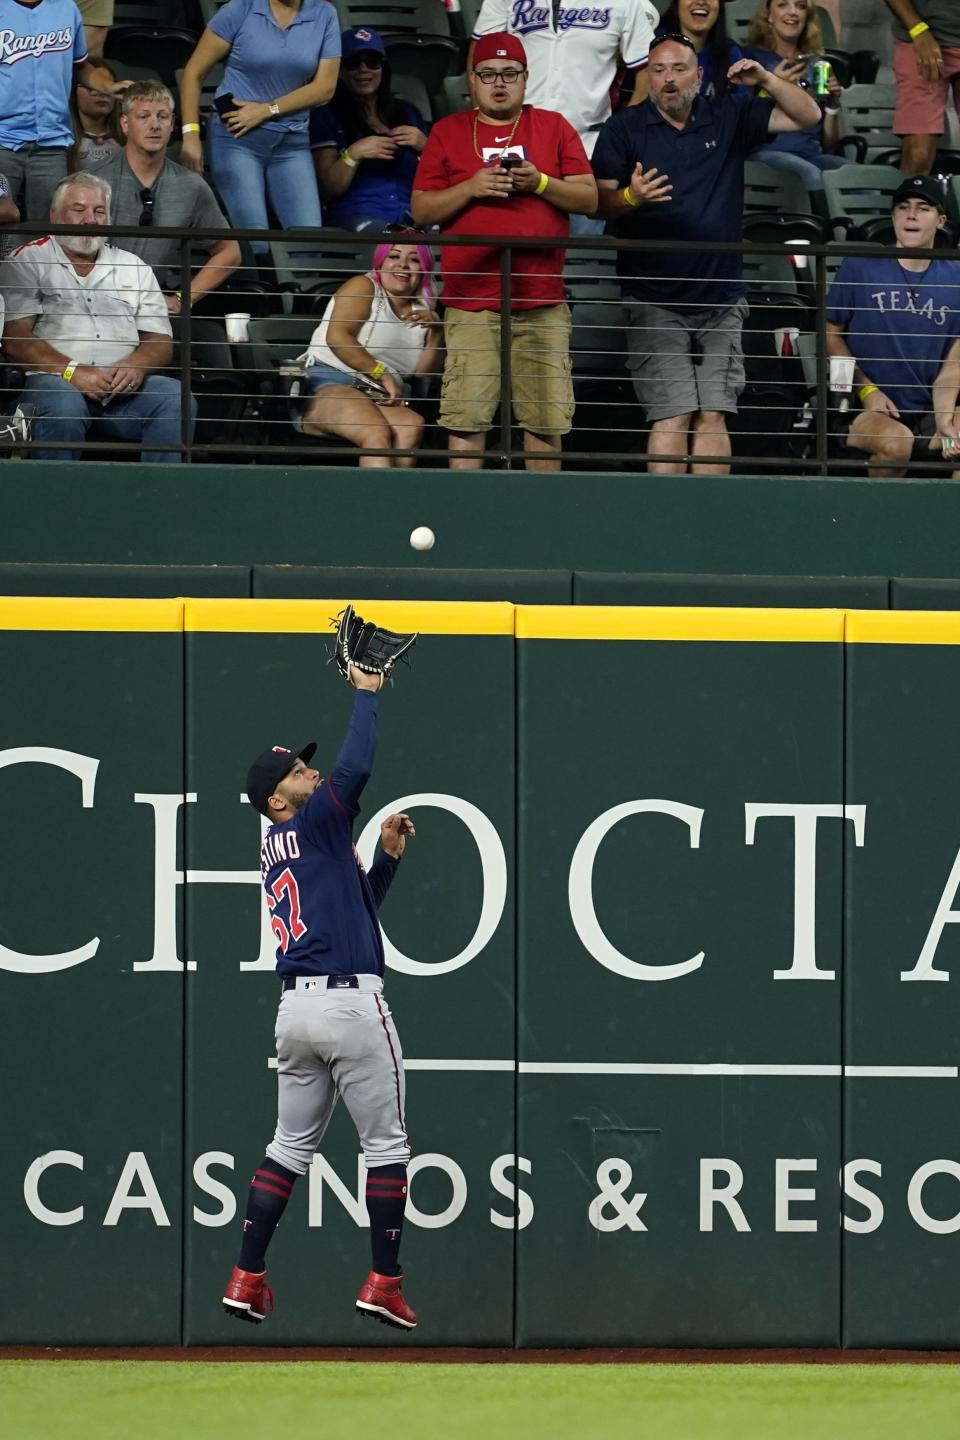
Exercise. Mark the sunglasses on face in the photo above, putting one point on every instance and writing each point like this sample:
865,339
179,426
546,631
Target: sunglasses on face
674,39
147,199
371,60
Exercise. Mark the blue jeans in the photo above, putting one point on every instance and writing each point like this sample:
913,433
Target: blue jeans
274,164
810,171
150,415
586,225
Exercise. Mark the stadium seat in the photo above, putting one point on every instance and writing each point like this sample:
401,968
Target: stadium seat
412,89
309,271
273,346
868,112
416,34
168,48
219,387
771,191
856,193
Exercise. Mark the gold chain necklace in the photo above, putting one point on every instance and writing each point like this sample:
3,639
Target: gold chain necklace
476,121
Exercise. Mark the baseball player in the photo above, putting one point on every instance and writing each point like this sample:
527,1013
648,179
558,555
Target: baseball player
335,1034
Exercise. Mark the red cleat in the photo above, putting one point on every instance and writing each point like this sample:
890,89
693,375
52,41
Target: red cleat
381,1298
247,1296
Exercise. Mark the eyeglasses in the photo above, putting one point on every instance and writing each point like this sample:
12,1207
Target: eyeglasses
490,77
370,59
147,199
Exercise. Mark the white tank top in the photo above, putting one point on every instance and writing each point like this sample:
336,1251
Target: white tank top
389,339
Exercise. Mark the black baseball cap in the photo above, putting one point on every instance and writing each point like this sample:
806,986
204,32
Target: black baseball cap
268,770
920,187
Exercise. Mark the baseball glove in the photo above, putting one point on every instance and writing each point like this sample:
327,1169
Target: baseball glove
372,649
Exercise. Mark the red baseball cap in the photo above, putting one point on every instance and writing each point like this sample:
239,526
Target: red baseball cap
499,47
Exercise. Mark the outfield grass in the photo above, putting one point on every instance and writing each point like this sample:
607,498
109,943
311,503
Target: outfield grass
136,1400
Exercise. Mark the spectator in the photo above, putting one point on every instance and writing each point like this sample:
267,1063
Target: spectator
42,43
383,326
150,189
463,186
366,142
574,53
782,36
704,24
282,58
97,18
926,64
89,325
899,317
9,214
95,113
672,169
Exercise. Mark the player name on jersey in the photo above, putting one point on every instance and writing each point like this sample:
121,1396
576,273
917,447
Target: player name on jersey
278,846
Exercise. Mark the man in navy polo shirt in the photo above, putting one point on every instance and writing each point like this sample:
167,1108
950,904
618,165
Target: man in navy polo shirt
671,168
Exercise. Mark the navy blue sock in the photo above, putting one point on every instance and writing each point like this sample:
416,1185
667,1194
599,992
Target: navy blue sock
386,1199
269,1192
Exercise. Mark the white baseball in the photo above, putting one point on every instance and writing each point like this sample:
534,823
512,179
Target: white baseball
422,538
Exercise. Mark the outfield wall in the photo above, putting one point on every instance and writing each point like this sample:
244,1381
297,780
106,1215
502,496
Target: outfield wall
671,959
94,513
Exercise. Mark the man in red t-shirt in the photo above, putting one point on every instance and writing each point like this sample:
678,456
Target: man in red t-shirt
463,185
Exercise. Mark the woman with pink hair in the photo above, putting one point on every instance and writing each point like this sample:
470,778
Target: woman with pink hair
378,330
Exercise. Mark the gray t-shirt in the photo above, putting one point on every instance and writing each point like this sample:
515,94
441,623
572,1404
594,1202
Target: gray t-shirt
180,198
943,17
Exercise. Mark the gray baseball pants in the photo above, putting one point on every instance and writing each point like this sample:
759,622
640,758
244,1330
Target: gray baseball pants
332,1043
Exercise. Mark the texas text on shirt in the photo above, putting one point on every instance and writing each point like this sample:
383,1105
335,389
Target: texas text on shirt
899,324
325,921
39,47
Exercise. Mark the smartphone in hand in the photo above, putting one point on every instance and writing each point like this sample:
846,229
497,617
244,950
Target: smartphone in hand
223,104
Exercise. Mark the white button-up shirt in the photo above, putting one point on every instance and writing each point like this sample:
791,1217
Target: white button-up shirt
94,319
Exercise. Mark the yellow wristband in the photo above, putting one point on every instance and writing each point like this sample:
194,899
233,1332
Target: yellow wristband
348,159
68,371
179,295
190,129
544,182
377,370
919,29
630,198
866,390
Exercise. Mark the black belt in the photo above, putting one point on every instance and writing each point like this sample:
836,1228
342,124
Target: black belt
334,982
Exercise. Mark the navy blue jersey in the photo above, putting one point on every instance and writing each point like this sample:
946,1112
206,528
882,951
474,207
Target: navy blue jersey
899,324
323,904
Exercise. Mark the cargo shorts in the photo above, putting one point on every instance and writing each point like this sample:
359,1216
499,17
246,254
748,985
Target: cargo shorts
539,367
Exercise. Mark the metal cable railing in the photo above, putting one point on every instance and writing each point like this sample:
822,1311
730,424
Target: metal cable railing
251,393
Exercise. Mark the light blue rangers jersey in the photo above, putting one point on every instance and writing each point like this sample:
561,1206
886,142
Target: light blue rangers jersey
39,46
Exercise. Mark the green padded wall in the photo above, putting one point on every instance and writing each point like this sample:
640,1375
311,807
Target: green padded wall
832,591
307,582
91,716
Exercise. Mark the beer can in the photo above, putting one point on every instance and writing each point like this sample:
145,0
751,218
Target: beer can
821,75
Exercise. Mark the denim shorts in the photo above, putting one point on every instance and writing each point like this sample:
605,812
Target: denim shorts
318,377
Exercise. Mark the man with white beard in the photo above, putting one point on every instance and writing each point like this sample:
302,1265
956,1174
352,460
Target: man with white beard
89,324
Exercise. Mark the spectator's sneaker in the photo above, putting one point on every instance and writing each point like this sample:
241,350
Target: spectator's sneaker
381,1298
15,429
247,1296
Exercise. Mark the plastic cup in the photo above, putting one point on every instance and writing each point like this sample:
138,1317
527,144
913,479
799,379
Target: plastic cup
237,326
